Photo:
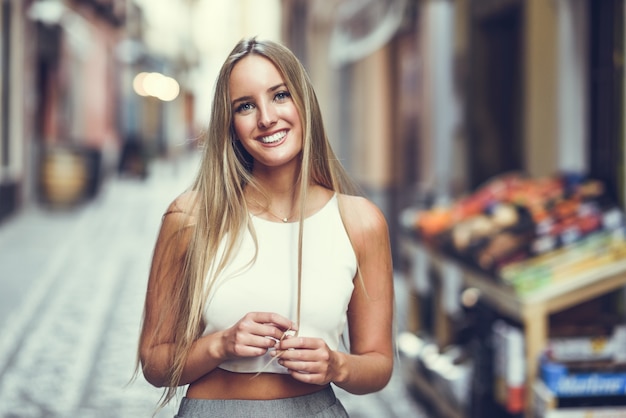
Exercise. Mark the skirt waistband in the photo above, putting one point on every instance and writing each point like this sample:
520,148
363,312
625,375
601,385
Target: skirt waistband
319,404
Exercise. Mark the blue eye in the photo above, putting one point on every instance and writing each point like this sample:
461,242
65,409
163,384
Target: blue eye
244,107
282,96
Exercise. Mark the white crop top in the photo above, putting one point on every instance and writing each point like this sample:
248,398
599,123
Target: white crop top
271,283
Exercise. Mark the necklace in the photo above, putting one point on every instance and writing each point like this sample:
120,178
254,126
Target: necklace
283,219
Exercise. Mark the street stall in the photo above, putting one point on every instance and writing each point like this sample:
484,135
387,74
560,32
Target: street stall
524,277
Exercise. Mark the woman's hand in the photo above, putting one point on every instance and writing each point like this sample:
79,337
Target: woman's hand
309,360
254,334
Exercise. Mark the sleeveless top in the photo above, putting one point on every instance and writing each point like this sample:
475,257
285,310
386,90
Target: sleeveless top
270,284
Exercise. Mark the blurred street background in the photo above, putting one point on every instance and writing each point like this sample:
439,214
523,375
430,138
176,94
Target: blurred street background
103,104
72,298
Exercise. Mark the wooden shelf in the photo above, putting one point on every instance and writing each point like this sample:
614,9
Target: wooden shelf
533,309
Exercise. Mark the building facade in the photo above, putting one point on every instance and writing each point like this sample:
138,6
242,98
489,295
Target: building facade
427,99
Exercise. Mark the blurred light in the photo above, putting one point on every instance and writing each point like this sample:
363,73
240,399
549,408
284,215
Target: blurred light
169,89
156,85
410,344
55,13
470,297
48,12
152,83
138,84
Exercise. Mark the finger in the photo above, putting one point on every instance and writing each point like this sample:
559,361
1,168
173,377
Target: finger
264,342
249,351
272,331
252,346
256,323
301,343
306,377
295,366
274,319
291,343
248,332
302,356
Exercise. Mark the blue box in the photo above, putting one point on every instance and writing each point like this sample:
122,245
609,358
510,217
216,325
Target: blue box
565,383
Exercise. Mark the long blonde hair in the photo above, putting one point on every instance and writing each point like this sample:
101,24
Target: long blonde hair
221,209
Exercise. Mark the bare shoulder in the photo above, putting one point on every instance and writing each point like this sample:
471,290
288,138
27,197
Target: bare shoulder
362,218
185,203
182,211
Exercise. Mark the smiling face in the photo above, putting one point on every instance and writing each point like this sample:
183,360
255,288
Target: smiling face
265,118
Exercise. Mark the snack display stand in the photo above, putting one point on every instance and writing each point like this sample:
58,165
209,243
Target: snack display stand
597,272
531,310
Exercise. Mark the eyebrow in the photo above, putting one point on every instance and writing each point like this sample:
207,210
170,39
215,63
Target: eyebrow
246,98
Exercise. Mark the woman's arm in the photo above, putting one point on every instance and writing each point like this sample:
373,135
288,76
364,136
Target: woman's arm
368,366
156,348
246,338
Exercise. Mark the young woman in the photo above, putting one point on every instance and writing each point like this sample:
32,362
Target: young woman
260,267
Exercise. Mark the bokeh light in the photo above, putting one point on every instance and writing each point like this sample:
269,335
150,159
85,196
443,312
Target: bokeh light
156,85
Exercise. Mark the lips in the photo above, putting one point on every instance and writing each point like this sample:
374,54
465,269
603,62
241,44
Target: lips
273,138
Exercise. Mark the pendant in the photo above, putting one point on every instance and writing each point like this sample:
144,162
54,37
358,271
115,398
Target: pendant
285,220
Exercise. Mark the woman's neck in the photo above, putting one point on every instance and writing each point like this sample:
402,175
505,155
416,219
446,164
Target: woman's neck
280,185
278,199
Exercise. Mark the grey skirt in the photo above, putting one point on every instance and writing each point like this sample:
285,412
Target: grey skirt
322,404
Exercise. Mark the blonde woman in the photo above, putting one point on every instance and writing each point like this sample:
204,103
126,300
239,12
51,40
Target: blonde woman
259,267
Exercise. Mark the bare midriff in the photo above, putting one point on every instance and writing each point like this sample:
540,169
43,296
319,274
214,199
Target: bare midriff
222,384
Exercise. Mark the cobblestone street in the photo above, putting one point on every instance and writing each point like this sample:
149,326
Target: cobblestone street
73,285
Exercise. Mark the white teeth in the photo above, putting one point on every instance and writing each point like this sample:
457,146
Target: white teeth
273,138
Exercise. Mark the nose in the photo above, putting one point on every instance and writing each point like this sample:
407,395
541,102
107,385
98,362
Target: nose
267,116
